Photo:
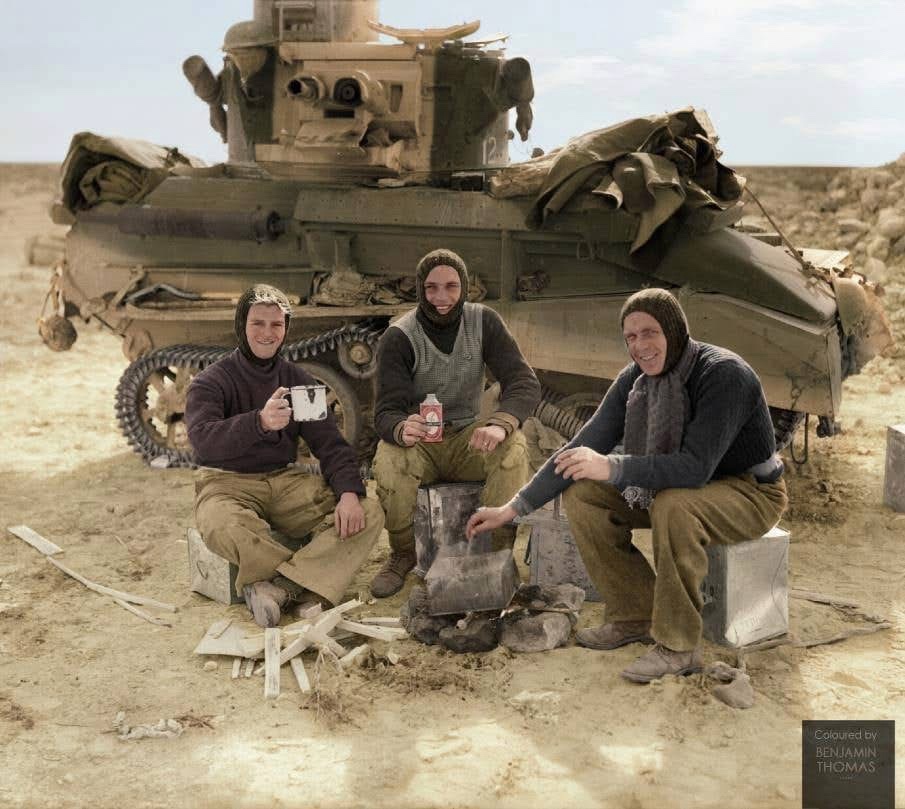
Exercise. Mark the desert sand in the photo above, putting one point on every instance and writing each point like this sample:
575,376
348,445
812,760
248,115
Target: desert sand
555,729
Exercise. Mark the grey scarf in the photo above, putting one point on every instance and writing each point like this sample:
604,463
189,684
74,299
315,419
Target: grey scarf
656,413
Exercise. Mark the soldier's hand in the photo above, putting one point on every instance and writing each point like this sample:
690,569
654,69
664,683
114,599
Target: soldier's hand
414,428
487,439
488,519
276,412
582,463
349,516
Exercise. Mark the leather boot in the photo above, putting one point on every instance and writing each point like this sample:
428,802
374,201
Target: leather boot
265,600
614,635
661,660
392,575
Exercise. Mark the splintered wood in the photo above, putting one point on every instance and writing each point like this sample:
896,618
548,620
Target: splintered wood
271,663
120,597
318,629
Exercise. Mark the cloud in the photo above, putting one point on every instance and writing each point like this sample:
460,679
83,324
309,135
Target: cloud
742,29
776,68
592,71
866,72
859,129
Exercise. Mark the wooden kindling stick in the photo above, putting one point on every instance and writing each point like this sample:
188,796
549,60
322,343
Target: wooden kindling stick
120,597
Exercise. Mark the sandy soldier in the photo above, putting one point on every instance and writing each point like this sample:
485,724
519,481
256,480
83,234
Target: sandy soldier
697,465
441,348
241,428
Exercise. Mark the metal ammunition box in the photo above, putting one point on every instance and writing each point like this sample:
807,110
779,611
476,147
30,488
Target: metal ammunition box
553,554
746,591
213,576
209,574
460,584
894,483
441,512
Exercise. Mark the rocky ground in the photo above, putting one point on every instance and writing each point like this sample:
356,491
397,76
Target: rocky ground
554,729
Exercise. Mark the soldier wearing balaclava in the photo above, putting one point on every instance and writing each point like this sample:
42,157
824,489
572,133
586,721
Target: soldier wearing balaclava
682,444
442,347
245,439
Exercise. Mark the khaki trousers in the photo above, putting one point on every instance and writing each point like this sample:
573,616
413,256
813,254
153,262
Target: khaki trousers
683,523
234,513
399,471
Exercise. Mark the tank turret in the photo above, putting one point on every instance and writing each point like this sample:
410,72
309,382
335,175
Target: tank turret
349,158
310,92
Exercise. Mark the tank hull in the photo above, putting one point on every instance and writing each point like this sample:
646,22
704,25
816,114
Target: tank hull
738,292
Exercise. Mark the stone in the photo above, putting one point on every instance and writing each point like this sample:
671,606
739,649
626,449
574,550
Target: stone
481,634
418,622
849,225
538,632
891,224
211,665
875,270
880,178
872,199
848,240
736,694
878,247
546,597
834,200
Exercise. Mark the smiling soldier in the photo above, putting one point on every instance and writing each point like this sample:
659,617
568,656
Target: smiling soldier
241,429
697,465
441,347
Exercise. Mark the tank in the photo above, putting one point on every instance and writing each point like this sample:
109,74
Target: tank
350,157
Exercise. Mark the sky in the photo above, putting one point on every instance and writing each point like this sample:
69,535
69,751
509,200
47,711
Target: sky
786,82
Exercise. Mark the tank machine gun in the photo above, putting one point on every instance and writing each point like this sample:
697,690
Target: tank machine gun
348,159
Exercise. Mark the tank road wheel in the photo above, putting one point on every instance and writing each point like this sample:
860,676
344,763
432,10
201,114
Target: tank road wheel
581,405
342,400
150,402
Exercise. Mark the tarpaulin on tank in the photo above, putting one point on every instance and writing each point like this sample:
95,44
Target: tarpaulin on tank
101,169
653,167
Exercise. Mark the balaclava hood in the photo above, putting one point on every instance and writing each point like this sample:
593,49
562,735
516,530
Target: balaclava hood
259,293
439,258
665,309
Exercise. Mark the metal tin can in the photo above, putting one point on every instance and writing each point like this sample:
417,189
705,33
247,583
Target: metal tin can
432,412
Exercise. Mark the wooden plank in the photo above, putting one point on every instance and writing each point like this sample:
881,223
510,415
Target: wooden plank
314,635
385,633
301,676
380,620
34,539
339,610
249,667
822,598
237,667
353,658
229,640
141,613
109,591
271,663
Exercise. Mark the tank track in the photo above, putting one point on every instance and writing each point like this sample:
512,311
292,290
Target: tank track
196,358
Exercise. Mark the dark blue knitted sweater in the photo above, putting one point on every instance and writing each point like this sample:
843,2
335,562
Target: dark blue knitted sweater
728,432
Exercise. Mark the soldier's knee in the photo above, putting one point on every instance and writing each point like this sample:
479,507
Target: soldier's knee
579,493
511,454
672,508
374,515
